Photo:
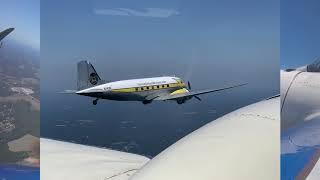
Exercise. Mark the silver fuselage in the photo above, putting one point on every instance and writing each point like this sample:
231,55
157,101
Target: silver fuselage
136,89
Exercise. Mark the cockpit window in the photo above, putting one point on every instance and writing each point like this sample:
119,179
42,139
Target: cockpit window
178,80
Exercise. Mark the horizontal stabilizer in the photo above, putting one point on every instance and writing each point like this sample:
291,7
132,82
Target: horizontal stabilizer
68,92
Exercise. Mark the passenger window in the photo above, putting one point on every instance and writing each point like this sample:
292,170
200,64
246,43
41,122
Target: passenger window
137,89
167,85
147,87
158,87
142,89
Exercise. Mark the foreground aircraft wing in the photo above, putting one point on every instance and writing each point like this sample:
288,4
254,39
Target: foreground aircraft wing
4,33
243,144
193,93
63,160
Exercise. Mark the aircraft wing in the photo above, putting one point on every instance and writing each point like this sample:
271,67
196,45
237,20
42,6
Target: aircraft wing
63,160
4,33
243,144
193,93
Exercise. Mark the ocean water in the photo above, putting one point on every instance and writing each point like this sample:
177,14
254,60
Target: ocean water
134,127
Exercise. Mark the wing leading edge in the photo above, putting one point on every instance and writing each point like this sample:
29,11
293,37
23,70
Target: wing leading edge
194,93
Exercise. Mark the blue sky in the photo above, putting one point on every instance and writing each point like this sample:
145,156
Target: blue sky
300,28
25,17
194,40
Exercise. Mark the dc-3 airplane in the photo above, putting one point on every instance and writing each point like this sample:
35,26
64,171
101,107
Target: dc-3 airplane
145,90
243,144
5,33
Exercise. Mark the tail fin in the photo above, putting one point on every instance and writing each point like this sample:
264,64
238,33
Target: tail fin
87,75
314,67
5,33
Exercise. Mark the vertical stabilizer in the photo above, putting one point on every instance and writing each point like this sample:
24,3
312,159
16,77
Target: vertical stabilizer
5,33
87,75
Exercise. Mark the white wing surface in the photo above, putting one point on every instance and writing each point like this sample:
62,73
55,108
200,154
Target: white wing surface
244,144
63,160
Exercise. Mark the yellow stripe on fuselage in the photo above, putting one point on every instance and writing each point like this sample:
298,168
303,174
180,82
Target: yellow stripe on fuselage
124,90
149,88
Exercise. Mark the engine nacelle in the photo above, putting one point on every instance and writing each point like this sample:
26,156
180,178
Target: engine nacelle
183,100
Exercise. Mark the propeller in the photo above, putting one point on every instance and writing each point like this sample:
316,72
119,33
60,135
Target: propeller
189,88
197,97
189,85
